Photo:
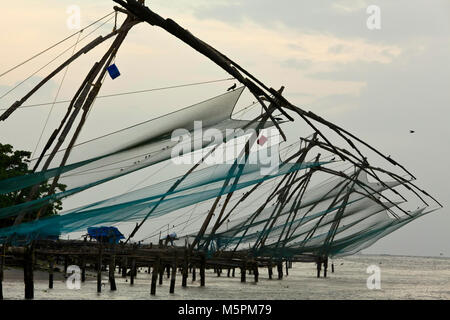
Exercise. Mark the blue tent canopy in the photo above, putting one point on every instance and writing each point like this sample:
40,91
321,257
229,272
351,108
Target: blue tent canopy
105,234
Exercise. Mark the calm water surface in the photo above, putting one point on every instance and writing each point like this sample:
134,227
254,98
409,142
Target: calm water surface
401,278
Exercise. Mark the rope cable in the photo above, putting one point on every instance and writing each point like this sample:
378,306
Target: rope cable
130,92
53,46
51,61
56,97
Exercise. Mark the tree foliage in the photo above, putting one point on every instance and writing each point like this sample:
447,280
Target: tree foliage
14,163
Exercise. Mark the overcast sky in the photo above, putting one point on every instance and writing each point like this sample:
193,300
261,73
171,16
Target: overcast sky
378,84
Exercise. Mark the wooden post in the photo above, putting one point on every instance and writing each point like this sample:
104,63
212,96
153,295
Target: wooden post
319,264
51,266
2,263
83,268
112,270
99,268
202,271
332,267
270,270
287,268
228,272
185,268
233,273
193,273
168,270
256,272
28,272
161,271
124,267
132,271
280,270
173,276
66,263
243,271
156,268
325,267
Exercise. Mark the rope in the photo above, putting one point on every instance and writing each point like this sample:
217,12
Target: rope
128,93
54,59
53,46
56,97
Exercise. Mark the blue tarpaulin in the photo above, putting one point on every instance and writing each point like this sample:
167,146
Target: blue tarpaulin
113,71
105,234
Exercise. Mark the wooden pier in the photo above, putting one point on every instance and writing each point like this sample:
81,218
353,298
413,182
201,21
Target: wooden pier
128,258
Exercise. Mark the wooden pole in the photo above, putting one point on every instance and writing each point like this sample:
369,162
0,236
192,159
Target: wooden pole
124,267
325,267
132,271
51,266
233,273
193,273
28,272
156,269
66,263
256,272
161,272
99,268
112,270
185,268
270,270
83,268
202,271
332,267
173,276
168,270
287,268
318,268
2,263
280,270
243,271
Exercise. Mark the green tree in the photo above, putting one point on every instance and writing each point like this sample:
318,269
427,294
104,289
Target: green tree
14,164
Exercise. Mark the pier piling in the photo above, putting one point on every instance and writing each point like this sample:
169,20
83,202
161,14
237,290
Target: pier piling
202,271
280,270
270,270
173,277
99,269
2,264
156,268
28,273
112,269
132,271
51,266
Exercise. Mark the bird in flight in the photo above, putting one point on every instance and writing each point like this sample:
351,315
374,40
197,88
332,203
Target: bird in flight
411,131
232,87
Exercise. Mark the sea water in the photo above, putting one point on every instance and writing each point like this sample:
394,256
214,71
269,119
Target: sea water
400,277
